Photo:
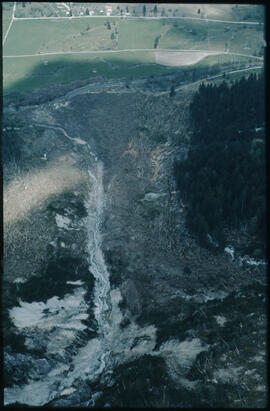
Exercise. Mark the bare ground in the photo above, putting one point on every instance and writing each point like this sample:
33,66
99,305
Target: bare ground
181,58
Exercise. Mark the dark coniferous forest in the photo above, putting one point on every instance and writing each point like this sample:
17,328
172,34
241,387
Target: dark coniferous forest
223,178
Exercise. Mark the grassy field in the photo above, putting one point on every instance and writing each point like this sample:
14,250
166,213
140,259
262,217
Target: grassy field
25,74
138,33
6,17
65,35
225,59
212,36
56,35
93,34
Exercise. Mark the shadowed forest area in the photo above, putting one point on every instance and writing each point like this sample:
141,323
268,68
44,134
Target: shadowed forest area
223,177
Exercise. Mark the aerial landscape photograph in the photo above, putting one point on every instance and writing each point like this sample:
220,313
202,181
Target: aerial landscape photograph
134,269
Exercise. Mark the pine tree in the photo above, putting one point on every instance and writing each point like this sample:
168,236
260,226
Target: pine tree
144,10
172,92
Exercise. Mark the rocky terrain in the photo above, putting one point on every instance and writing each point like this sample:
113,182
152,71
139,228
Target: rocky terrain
109,301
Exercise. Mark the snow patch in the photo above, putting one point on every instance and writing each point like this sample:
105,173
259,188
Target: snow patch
220,320
54,323
229,250
19,280
258,358
201,297
153,196
59,312
215,295
260,387
33,394
87,363
226,375
58,370
62,221
251,261
60,105
78,282
68,391
182,353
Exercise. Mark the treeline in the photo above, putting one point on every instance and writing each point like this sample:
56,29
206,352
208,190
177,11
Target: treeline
186,74
12,142
223,178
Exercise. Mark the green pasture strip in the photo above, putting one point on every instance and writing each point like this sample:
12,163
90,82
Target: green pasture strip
80,34
6,17
33,36
138,33
191,34
186,34
248,40
239,39
223,59
25,74
41,36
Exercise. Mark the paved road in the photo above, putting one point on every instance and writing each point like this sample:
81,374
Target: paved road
133,50
11,21
140,17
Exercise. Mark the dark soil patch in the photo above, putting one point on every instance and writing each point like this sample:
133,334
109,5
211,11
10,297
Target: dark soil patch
53,279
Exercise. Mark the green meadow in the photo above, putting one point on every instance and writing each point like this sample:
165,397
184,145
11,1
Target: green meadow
41,36
38,37
25,74
6,17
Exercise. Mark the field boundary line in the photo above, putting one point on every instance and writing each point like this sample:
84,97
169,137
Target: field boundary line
11,21
134,51
139,17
